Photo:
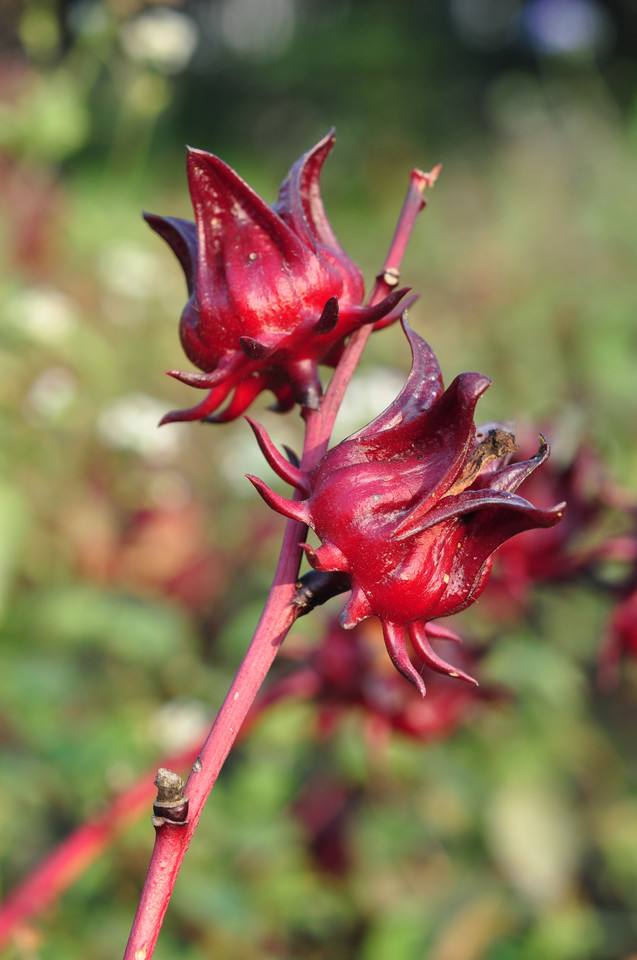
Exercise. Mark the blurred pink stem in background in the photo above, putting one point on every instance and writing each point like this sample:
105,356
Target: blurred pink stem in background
70,859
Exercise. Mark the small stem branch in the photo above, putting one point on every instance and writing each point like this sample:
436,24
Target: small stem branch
172,841
317,587
414,202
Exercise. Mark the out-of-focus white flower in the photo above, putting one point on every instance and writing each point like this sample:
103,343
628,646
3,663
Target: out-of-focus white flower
178,724
164,38
258,28
52,392
130,423
130,271
44,313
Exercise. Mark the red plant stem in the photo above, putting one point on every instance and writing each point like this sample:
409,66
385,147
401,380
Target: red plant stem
68,861
171,841
386,280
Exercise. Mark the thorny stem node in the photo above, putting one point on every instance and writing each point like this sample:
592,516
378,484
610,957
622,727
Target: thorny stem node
170,806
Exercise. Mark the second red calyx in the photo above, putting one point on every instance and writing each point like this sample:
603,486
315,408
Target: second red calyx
412,507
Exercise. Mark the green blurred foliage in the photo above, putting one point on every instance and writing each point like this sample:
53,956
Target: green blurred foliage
517,838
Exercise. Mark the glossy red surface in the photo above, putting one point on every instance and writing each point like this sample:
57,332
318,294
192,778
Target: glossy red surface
271,292
413,506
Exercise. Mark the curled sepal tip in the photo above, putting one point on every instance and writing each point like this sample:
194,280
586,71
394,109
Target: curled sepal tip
281,465
293,509
420,640
395,635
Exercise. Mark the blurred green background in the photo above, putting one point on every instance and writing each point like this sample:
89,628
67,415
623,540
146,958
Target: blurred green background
134,561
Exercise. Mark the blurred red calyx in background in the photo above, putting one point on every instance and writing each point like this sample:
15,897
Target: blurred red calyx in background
623,626
620,638
271,292
412,507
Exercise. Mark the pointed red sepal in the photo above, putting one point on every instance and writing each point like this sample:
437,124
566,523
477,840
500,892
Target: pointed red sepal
421,643
181,237
400,312
223,201
511,477
442,436
422,389
471,501
309,552
243,396
229,366
200,381
326,558
395,635
294,509
355,610
440,632
300,205
359,316
214,399
299,202
280,464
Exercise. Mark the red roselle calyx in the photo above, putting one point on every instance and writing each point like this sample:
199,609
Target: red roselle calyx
412,507
272,292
